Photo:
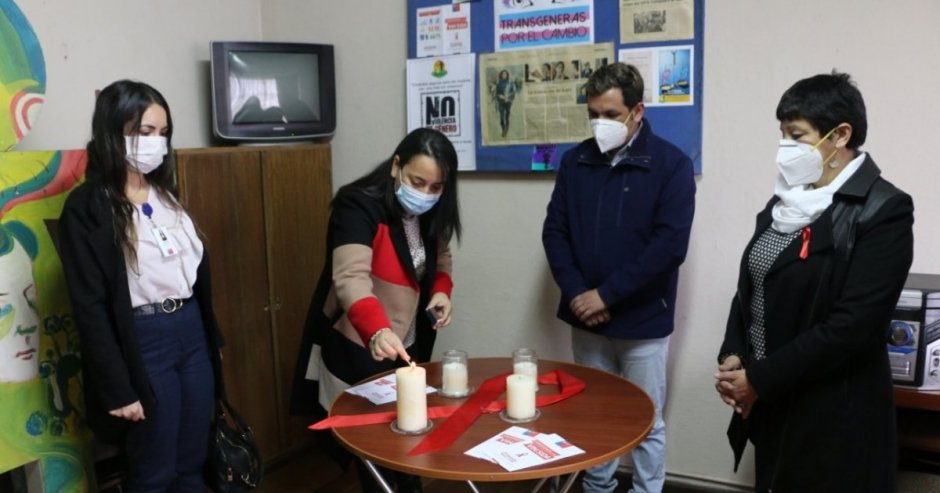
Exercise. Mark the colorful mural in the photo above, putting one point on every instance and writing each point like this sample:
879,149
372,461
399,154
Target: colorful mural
22,75
40,368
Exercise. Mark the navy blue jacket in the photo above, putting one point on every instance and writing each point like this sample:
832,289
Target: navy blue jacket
623,230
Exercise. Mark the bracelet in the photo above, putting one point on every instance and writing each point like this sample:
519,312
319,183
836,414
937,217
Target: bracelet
372,339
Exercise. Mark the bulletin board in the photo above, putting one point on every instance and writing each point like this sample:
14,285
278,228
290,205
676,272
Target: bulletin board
680,124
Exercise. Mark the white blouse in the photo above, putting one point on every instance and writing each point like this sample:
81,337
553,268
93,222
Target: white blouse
156,276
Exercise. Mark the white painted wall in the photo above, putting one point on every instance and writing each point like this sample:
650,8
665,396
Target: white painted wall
89,44
505,297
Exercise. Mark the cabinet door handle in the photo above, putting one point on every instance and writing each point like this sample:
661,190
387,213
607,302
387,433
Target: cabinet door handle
277,303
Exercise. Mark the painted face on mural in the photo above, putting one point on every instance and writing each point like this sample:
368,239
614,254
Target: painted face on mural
19,319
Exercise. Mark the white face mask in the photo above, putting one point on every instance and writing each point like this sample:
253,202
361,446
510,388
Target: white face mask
145,153
609,134
800,163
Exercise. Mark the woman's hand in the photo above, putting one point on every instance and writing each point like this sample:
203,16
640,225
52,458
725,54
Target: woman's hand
735,390
386,344
442,309
130,412
731,363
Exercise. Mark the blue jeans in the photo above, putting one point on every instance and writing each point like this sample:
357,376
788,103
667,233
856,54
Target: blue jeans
642,362
167,450
503,109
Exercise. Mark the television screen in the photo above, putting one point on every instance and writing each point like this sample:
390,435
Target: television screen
272,91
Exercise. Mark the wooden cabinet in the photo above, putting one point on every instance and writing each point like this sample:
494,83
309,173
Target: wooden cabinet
263,212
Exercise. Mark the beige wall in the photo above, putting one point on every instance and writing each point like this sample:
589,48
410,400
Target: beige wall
504,296
165,43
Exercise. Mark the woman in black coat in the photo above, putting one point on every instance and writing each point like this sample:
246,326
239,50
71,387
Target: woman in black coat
804,361
138,279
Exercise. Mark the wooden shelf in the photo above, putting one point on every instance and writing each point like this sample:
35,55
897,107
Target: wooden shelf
927,400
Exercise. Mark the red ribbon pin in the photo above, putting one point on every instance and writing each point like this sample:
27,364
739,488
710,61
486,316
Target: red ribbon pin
804,250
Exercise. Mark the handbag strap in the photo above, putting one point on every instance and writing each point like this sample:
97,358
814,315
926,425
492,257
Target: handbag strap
224,407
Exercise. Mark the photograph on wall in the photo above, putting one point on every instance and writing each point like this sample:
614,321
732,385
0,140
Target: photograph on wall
668,73
656,20
528,24
441,96
537,96
543,155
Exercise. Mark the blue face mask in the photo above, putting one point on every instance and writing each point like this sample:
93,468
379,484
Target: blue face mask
413,201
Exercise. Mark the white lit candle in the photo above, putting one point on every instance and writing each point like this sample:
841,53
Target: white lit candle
520,396
455,377
412,402
527,368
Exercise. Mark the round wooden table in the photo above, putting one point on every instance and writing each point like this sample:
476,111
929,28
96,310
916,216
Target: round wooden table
609,418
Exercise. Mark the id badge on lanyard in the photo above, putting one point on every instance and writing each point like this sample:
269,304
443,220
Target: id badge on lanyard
161,235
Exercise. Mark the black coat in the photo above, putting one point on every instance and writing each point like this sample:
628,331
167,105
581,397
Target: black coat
825,409
96,276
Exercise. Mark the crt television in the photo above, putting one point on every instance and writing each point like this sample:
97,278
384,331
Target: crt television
272,92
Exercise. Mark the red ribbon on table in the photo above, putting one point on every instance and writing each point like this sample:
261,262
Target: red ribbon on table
459,418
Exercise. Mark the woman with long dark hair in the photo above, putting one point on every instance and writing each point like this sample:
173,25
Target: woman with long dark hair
138,279
388,263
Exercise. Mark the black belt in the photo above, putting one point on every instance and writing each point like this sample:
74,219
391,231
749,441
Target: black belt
168,305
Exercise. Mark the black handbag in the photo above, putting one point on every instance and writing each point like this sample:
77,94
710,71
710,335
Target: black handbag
234,463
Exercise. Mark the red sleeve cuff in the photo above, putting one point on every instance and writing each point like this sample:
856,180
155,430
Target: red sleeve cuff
367,317
442,284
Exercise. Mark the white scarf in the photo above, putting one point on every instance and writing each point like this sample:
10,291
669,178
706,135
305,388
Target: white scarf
799,206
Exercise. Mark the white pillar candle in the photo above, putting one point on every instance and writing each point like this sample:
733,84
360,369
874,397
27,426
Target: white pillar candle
454,377
520,396
412,404
526,368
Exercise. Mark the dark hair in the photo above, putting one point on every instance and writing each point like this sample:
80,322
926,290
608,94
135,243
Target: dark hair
118,107
443,220
826,101
617,75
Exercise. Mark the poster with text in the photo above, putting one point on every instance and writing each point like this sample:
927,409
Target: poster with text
537,96
455,39
440,96
668,73
428,32
656,20
528,24
443,30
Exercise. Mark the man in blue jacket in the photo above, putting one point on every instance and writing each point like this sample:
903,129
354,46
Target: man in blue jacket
616,231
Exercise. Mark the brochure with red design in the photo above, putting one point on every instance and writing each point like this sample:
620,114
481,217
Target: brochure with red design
381,390
518,448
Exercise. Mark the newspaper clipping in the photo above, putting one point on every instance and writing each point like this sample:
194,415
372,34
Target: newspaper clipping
537,96
656,20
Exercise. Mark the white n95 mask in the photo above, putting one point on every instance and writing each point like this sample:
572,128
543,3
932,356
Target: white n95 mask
799,163
609,134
